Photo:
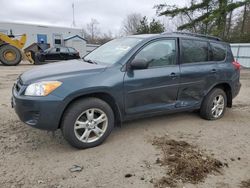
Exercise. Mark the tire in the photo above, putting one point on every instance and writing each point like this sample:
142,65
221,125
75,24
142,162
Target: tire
40,58
13,61
81,111
214,105
36,61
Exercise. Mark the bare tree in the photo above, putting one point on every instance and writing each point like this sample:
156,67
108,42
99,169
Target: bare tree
105,37
131,23
244,17
92,31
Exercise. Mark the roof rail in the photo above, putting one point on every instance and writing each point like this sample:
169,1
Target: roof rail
197,35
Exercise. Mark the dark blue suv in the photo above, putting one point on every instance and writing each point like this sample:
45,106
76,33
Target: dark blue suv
127,78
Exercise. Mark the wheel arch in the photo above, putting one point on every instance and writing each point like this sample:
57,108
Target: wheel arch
100,95
226,87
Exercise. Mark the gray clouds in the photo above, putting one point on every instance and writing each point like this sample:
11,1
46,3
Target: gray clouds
109,13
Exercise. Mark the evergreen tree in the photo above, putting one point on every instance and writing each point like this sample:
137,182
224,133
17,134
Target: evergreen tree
143,28
210,15
156,27
146,27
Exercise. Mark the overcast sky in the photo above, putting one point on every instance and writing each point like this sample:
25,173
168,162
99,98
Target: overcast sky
109,13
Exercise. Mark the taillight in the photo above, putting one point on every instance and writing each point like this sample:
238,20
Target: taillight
236,65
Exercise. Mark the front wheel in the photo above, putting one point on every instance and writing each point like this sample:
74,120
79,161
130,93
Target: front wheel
87,123
214,105
10,55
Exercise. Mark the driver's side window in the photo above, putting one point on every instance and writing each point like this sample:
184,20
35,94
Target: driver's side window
159,53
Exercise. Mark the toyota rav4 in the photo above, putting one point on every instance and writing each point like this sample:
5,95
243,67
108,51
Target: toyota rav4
128,78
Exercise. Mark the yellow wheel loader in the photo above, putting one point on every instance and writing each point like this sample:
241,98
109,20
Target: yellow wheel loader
11,53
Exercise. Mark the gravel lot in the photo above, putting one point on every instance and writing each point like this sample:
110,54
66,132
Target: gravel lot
35,158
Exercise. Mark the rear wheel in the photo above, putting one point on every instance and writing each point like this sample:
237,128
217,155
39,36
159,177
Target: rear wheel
214,105
87,123
10,55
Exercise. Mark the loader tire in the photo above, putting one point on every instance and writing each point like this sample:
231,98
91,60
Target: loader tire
10,55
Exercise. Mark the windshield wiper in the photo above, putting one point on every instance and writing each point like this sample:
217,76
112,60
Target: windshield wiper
89,61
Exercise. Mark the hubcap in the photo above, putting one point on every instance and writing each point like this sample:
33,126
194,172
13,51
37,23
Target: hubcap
218,106
9,55
91,125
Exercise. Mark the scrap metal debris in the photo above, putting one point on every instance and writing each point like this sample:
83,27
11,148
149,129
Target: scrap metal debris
76,168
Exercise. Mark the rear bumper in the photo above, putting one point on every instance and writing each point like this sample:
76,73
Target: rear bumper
39,112
236,90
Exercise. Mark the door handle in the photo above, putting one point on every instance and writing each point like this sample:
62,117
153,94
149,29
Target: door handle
213,71
173,75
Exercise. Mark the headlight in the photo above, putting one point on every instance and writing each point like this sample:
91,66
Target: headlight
42,88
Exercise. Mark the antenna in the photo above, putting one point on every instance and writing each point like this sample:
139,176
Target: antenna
73,8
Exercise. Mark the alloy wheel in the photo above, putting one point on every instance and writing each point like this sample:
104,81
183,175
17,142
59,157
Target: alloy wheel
218,106
91,125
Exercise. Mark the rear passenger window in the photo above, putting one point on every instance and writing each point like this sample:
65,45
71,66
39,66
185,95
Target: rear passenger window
219,51
194,51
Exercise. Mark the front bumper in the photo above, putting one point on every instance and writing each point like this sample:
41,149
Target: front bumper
39,112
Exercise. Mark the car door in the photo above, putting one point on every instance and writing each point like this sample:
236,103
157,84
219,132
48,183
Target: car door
64,53
53,54
49,54
198,72
155,88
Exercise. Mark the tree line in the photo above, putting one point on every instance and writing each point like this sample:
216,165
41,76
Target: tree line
133,24
227,19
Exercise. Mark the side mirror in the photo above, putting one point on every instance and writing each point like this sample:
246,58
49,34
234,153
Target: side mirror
139,64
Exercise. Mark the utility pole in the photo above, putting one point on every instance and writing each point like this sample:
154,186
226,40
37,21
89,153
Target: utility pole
73,8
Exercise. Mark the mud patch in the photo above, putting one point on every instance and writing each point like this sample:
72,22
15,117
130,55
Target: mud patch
185,163
245,184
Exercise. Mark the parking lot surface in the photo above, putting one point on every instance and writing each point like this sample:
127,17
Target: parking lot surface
35,158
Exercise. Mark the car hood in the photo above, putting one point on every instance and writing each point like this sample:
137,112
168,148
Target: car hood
60,70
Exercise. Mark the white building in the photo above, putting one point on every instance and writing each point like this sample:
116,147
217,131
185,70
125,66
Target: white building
241,53
52,35
77,42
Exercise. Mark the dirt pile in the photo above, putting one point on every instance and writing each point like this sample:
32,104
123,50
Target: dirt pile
245,184
185,163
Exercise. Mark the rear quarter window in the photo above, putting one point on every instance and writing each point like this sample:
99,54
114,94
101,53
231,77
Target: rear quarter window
218,51
194,51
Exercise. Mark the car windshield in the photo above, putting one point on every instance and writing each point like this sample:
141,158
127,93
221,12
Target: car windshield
112,51
47,50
